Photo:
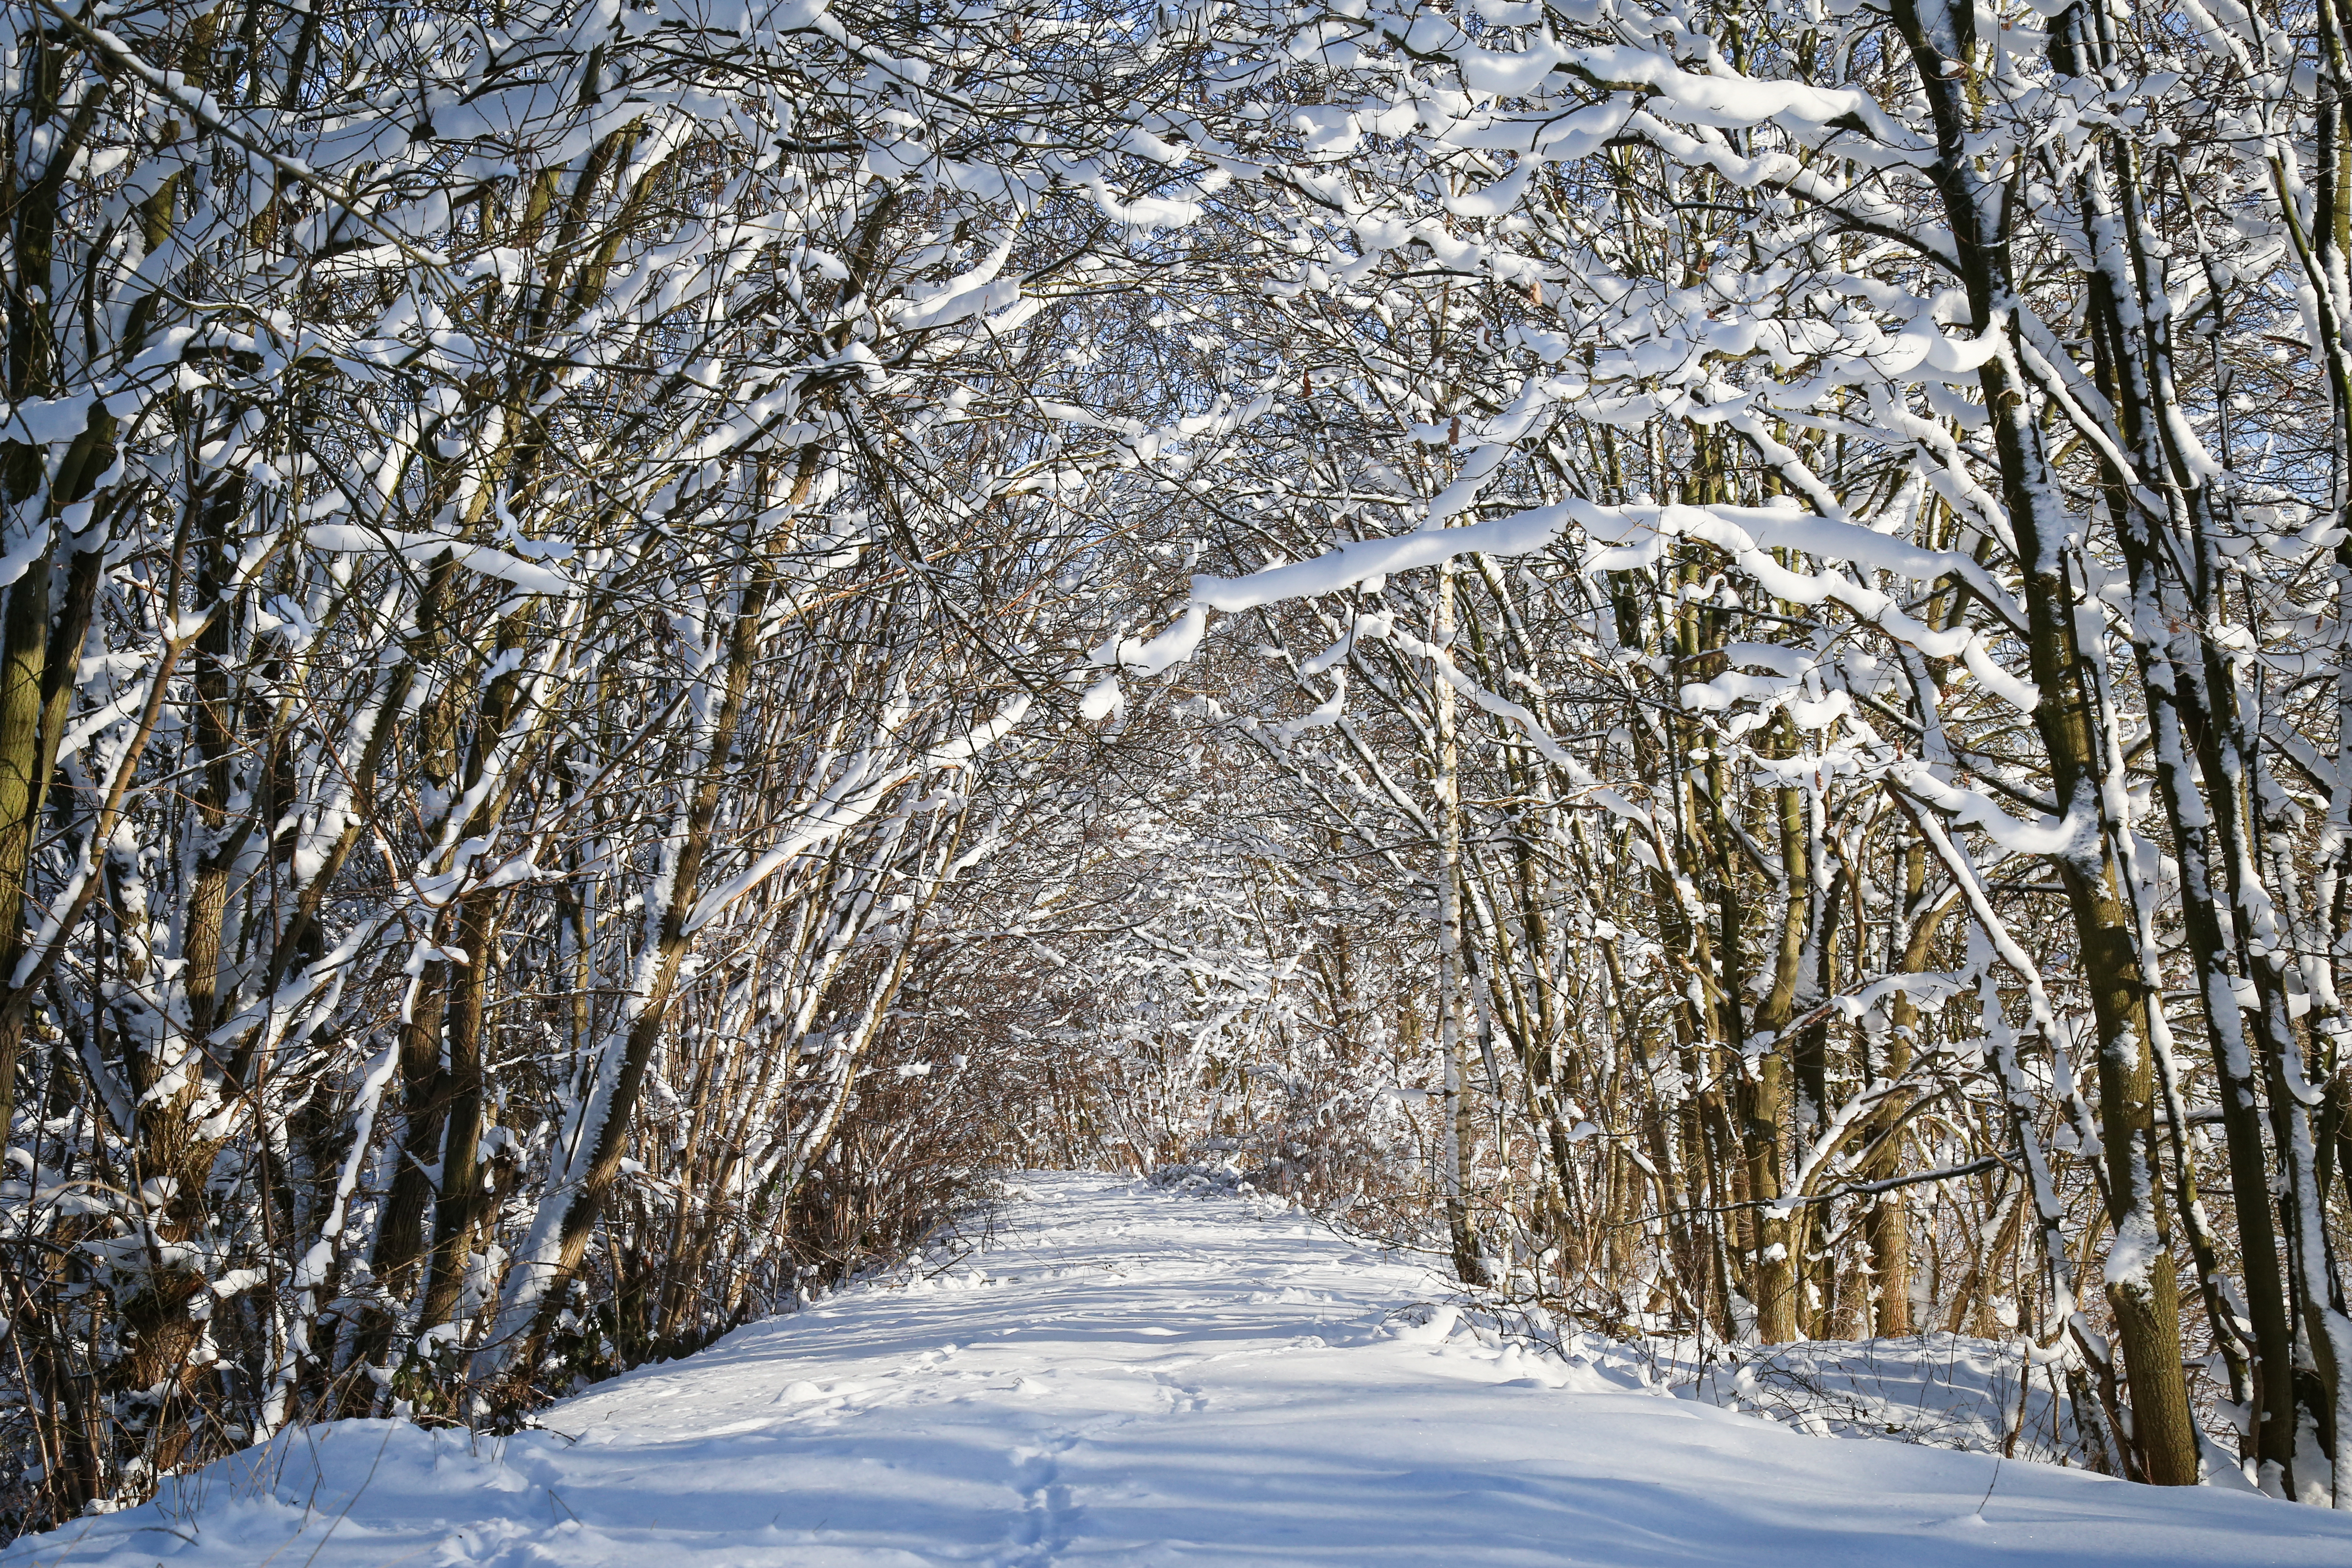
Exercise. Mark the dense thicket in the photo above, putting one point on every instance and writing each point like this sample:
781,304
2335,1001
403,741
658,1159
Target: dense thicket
1693,652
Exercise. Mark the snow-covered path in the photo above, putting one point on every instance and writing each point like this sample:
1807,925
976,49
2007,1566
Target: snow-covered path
1128,1376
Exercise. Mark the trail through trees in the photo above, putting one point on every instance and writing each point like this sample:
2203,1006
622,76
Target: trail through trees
1692,654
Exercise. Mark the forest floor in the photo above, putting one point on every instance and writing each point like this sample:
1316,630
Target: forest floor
1123,1374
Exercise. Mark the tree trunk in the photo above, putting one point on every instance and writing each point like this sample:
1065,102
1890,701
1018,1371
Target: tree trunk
1454,1127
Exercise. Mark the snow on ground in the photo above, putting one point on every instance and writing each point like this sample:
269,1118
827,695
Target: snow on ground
1946,1390
1127,1375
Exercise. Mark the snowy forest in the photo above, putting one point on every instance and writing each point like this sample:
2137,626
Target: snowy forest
1695,654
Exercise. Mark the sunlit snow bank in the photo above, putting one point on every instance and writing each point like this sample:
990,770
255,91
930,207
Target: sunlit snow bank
1946,1390
1131,1375
1942,1390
